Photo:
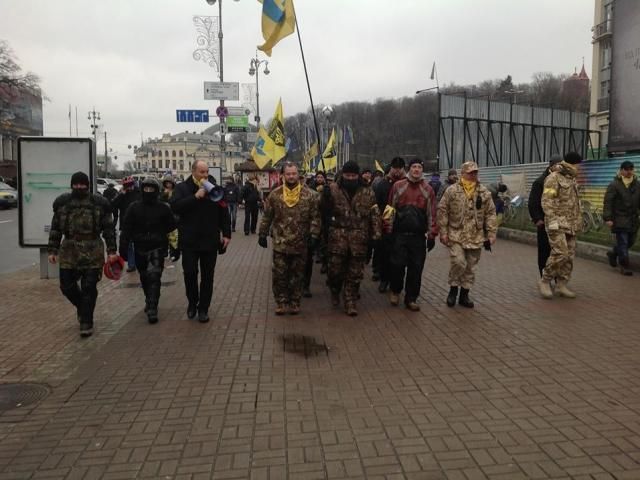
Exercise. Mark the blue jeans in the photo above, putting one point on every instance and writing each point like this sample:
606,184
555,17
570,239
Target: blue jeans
233,213
131,256
624,241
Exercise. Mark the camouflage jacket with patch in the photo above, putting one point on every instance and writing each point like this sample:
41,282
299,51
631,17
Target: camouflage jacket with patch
76,228
352,222
291,227
467,221
560,201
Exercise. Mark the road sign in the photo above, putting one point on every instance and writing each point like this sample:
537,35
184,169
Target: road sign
222,111
238,111
238,124
223,128
221,91
200,116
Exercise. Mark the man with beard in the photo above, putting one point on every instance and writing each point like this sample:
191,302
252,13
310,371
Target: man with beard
382,249
367,177
563,221
414,232
79,218
292,217
355,221
147,223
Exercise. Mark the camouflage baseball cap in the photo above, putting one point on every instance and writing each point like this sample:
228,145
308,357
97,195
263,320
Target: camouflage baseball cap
469,167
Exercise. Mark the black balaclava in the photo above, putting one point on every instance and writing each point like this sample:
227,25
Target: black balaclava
79,178
150,197
350,185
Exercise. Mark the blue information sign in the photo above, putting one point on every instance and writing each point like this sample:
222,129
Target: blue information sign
201,116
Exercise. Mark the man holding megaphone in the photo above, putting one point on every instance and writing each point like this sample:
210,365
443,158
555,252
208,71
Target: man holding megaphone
204,219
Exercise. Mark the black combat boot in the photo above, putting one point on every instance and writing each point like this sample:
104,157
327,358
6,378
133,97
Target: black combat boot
383,287
464,299
452,297
152,315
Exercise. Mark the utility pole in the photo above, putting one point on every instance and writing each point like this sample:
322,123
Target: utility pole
223,128
106,159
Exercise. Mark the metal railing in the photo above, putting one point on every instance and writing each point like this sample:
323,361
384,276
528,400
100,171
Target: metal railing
602,29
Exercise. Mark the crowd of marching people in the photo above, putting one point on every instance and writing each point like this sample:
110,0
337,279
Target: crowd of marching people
392,219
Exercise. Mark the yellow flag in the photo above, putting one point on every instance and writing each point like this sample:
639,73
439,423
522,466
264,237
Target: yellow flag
278,21
262,151
310,155
379,167
329,155
276,133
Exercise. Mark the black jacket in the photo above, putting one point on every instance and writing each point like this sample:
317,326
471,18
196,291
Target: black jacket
231,193
201,220
147,225
535,197
250,195
621,205
382,189
110,193
121,203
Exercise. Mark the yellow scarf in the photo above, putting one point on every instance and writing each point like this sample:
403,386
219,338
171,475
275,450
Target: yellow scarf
469,187
291,196
626,181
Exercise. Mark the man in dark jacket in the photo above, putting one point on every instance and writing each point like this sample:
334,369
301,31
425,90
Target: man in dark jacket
537,214
620,213
414,232
251,198
120,204
452,179
231,198
147,223
110,192
201,223
382,249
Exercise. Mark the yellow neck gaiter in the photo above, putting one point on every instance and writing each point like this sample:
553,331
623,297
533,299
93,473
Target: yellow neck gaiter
469,187
291,195
626,181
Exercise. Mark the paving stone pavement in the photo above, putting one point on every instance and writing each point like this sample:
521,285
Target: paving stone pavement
516,388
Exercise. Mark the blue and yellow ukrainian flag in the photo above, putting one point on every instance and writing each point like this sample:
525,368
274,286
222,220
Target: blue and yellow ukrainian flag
278,21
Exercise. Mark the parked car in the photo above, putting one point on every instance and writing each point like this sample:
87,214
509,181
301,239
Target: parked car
102,184
8,196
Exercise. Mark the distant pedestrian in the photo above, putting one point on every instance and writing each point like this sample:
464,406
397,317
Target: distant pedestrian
621,205
497,189
355,221
79,219
537,213
467,222
563,221
129,194
452,179
168,188
434,182
367,177
110,192
147,223
231,198
293,219
201,225
414,233
251,199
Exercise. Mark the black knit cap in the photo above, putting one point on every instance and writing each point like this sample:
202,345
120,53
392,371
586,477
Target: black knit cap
573,158
351,167
626,165
397,162
414,160
79,178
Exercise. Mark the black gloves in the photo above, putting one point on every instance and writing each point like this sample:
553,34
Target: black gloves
262,241
487,245
431,242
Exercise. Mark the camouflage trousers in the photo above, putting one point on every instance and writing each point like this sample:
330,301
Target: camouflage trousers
345,271
288,277
462,272
560,262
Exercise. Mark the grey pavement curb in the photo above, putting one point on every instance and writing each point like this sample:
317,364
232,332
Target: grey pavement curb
590,251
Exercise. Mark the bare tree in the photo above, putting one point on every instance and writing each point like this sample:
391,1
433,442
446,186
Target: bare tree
11,73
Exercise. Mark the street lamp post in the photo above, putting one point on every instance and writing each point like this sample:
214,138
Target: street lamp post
94,116
254,69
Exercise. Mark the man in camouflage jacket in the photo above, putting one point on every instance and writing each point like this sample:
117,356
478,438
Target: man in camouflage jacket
467,221
354,221
79,218
563,221
293,218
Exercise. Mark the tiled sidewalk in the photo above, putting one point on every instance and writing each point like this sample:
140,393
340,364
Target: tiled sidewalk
517,388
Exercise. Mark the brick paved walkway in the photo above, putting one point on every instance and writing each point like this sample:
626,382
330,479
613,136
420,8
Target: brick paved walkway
517,388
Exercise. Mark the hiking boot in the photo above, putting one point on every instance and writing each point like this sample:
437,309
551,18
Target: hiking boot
191,312
413,306
294,309
383,287
545,289
306,293
394,299
86,330
613,259
464,299
203,317
452,297
152,315
563,291
350,309
281,309
335,299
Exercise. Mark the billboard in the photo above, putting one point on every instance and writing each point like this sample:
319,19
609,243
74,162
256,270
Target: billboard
624,134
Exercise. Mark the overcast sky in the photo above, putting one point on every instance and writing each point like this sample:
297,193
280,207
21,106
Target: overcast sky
133,59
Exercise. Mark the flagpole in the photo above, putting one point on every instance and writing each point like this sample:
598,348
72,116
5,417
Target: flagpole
306,74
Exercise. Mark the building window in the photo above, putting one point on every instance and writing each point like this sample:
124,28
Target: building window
181,165
166,153
173,153
181,153
604,89
174,164
153,164
166,163
160,153
605,54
